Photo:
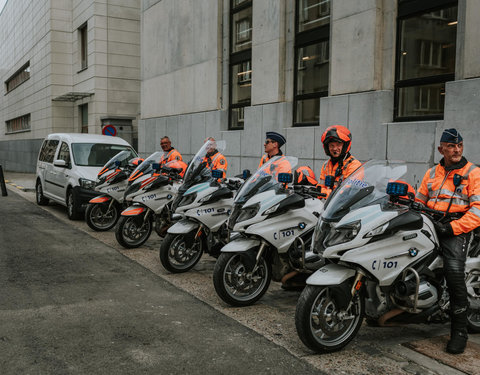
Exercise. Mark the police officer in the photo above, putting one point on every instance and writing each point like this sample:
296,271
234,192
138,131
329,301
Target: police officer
213,158
337,141
272,144
169,152
453,186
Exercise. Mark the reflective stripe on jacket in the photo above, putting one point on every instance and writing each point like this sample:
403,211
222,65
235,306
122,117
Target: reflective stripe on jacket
265,158
350,164
169,156
438,192
217,161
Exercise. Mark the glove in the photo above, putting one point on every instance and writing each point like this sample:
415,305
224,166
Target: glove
444,229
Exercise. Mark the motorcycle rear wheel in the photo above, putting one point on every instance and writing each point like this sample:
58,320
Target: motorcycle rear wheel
100,218
234,282
473,289
133,231
180,252
321,324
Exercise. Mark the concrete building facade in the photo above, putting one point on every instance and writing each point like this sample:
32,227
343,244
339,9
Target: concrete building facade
396,108
66,66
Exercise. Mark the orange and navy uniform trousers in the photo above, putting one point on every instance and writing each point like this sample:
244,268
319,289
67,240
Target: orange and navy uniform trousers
339,170
170,155
438,192
216,161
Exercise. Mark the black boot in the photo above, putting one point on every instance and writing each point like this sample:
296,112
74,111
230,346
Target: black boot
458,332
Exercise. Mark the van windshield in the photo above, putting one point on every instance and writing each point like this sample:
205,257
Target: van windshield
96,154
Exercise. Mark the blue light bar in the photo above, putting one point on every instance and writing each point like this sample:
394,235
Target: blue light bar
397,189
217,173
285,178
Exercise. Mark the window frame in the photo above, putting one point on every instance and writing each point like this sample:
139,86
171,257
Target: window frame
18,78
303,39
237,58
409,9
83,126
83,46
24,119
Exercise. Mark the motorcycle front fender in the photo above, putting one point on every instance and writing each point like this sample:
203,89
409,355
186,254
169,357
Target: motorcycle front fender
240,245
134,210
183,227
330,274
100,199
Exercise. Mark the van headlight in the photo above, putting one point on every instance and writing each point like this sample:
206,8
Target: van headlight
342,234
86,184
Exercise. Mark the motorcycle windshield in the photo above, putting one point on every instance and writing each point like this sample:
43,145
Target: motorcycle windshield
364,187
265,178
146,166
120,160
197,170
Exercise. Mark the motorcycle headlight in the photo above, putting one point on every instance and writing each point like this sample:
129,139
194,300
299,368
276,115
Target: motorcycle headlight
86,184
321,231
248,212
377,231
205,198
271,210
342,234
187,199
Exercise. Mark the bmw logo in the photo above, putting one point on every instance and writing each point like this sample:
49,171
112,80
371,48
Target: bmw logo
302,225
169,196
413,252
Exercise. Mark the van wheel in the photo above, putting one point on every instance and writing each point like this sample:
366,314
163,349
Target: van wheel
41,200
73,209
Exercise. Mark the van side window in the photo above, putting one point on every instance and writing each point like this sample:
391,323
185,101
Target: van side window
50,151
64,153
43,151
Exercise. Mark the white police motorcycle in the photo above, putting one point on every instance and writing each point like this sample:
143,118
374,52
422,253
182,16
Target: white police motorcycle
102,212
382,261
150,194
274,224
202,213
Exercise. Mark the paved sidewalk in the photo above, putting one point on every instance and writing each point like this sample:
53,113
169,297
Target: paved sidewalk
22,181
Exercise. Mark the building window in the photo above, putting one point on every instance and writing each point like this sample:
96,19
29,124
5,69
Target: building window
240,61
312,60
83,111
426,46
20,76
83,44
18,124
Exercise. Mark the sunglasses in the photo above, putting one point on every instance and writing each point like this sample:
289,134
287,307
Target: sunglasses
268,141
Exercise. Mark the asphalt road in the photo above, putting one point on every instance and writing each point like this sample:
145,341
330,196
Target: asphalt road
72,305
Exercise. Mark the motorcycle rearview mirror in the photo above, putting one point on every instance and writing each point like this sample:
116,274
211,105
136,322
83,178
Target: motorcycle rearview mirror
246,174
217,173
117,163
329,181
285,178
397,189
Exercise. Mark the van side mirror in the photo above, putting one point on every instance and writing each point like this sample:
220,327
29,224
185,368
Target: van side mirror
60,163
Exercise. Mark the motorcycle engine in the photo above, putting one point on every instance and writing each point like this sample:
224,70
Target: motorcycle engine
404,293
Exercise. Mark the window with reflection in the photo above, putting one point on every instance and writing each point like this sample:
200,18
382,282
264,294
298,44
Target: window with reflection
240,61
312,58
426,48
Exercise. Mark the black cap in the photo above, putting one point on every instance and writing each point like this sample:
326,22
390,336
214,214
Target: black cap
274,136
451,136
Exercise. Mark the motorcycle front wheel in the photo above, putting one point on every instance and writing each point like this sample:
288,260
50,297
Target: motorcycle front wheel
180,252
321,324
133,231
234,281
100,217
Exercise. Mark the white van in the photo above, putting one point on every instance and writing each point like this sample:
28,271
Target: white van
68,165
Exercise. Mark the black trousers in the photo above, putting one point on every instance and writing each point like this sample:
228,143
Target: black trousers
455,251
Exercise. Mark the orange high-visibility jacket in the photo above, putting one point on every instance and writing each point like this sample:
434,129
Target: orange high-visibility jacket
265,158
169,156
217,161
437,190
282,165
350,164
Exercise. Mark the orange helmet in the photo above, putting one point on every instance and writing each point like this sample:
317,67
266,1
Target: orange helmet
178,164
304,176
337,133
